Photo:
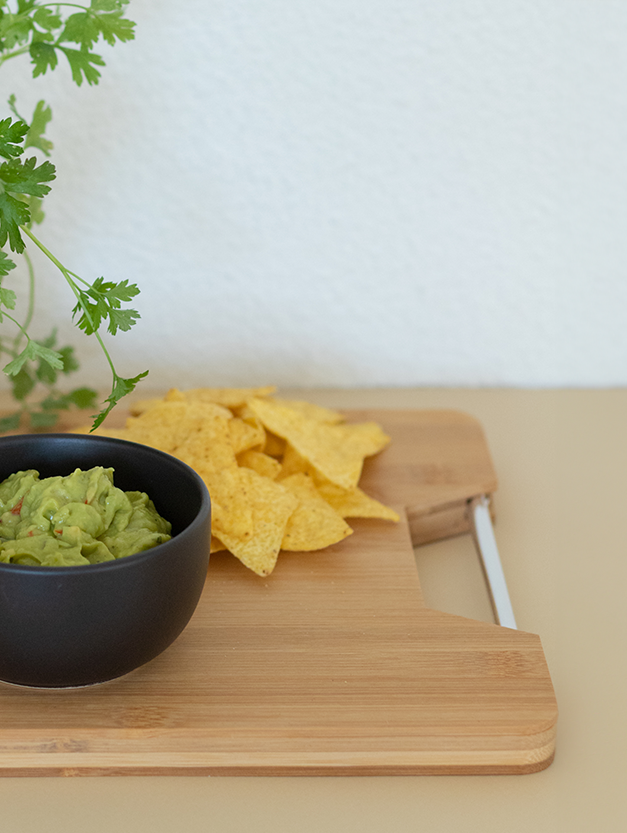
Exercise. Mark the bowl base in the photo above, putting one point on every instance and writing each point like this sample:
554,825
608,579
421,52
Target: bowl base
63,687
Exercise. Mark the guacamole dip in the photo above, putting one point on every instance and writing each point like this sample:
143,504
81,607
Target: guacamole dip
79,519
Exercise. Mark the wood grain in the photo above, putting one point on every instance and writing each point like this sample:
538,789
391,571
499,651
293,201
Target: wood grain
331,666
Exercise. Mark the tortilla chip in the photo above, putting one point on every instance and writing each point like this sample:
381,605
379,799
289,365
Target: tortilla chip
170,424
175,395
216,545
263,464
314,524
245,436
293,462
157,426
336,451
274,446
228,397
244,412
355,503
280,473
140,405
206,443
311,411
271,505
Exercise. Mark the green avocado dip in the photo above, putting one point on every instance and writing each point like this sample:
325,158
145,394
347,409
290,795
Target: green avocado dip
79,519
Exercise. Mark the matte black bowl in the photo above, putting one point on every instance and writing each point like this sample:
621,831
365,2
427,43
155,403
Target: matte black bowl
75,626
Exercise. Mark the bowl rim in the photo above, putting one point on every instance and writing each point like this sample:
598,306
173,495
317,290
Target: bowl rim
127,561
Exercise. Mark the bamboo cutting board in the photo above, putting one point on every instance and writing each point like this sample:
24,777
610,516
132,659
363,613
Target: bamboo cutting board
330,666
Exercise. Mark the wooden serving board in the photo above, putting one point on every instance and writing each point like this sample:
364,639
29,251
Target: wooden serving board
330,666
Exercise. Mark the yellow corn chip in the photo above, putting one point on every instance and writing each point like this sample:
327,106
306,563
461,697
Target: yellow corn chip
263,464
336,451
170,424
232,515
175,395
216,545
293,462
245,436
274,446
355,503
157,426
244,412
314,524
271,506
140,405
207,443
311,411
228,397
280,473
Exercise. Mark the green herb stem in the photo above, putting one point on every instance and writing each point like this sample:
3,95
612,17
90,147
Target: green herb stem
58,5
68,277
31,302
15,54
20,327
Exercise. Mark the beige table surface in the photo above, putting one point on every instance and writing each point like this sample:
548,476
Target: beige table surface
561,458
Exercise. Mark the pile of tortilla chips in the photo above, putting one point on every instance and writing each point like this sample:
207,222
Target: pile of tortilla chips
281,474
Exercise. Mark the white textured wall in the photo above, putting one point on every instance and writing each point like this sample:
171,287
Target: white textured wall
351,192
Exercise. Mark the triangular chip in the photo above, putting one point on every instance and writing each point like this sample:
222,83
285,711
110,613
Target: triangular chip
228,397
245,436
355,503
336,451
314,524
271,506
262,463
293,463
311,411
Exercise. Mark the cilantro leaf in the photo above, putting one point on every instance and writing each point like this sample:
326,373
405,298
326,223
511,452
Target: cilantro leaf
43,57
122,319
85,28
45,373
10,422
91,314
121,387
81,28
15,28
43,419
47,19
114,26
43,30
102,301
79,397
116,292
37,214
81,65
6,264
35,136
32,352
13,214
22,384
7,299
12,135
55,402
70,364
27,177
108,5
83,397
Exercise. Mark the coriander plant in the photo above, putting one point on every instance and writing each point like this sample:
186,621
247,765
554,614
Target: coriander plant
48,33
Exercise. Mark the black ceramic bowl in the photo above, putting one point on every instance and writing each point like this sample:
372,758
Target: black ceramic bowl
75,626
